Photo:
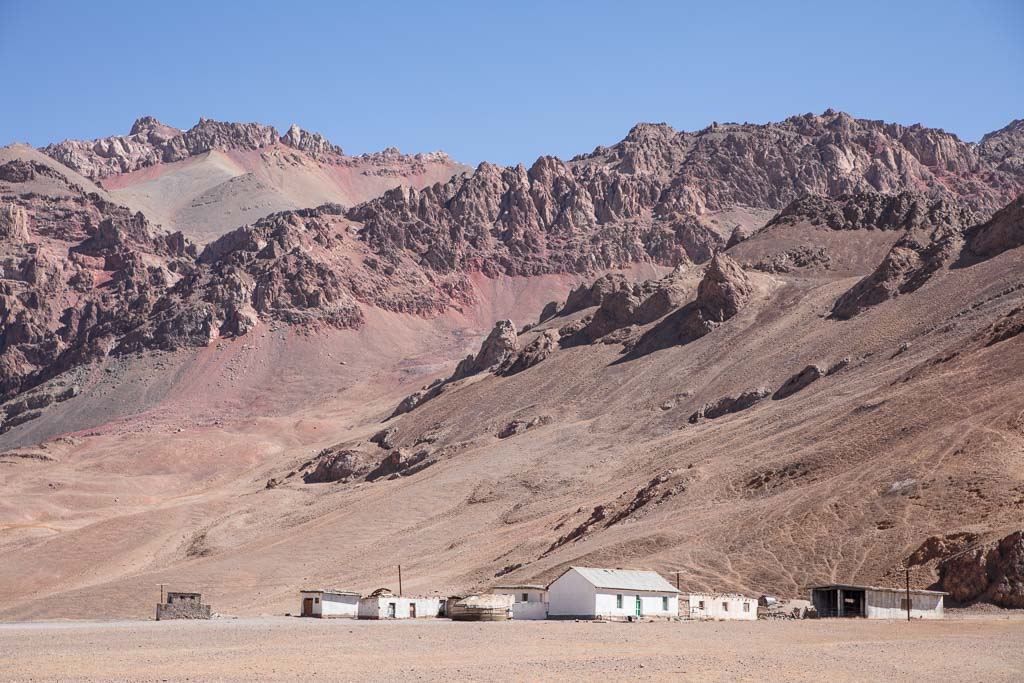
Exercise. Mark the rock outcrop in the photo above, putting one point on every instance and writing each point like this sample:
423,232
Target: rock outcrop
498,349
798,382
1003,232
338,464
729,404
974,571
724,289
516,427
533,353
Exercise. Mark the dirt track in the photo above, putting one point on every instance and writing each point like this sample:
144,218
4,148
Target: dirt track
280,648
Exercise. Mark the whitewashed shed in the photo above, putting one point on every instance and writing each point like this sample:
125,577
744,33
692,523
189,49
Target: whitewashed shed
589,593
875,602
329,603
530,601
719,607
388,606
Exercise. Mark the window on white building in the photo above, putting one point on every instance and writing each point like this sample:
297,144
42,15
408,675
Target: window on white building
746,607
725,607
618,602
664,604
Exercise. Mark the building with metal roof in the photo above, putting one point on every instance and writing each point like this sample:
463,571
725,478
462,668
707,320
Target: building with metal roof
593,593
876,602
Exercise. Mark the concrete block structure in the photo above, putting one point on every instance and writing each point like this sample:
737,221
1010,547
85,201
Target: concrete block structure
183,606
388,606
718,607
875,602
329,603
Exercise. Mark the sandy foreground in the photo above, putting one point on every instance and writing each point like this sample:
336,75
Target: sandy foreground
280,648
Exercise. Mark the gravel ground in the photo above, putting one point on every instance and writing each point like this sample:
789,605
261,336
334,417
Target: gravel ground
277,648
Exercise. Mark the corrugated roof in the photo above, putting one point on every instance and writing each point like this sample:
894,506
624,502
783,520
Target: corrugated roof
626,579
833,586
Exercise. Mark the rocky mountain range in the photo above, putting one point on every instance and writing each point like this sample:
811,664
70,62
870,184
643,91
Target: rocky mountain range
743,322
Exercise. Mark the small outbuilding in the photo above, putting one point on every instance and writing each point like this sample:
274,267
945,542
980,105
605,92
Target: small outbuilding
486,607
530,601
876,602
183,606
329,603
718,607
589,593
383,604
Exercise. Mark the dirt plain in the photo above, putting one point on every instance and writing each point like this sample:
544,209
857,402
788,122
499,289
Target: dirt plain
291,649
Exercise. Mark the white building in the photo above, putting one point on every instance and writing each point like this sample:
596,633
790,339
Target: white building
329,603
874,602
396,607
531,601
588,593
719,607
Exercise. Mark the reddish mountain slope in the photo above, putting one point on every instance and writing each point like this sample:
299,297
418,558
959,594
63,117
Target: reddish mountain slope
833,391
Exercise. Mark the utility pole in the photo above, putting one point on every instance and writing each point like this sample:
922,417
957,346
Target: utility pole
677,580
906,571
161,593
399,580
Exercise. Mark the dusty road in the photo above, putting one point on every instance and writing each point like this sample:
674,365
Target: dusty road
272,649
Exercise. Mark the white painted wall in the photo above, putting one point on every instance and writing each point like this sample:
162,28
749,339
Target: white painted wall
652,604
339,605
889,605
722,607
571,595
530,610
377,607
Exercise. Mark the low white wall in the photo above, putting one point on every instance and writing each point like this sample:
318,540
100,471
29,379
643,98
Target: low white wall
337,606
722,607
530,610
378,608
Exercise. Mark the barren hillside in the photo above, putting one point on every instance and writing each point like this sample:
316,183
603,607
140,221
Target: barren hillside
763,356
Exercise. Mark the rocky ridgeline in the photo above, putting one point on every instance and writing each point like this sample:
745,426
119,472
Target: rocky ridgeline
832,154
83,277
640,200
936,235
151,142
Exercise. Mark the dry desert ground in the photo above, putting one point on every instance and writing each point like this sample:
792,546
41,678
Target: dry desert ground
988,648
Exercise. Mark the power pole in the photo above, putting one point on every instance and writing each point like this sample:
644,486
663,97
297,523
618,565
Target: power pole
906,571
677,580
399,580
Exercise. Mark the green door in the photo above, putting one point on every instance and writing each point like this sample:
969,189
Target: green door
638,605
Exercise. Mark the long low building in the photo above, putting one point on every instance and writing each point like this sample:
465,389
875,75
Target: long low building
876,602
398,607
718,607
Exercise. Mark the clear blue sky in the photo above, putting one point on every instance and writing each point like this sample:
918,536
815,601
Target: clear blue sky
502,81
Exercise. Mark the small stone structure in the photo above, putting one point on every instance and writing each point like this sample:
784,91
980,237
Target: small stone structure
183,606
